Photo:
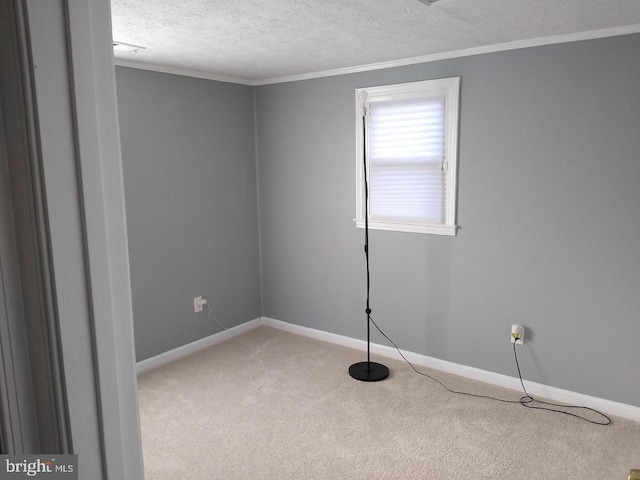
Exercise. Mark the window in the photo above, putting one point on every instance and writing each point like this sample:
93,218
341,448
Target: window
412,151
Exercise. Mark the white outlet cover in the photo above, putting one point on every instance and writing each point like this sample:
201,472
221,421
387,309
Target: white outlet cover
197,304
517,330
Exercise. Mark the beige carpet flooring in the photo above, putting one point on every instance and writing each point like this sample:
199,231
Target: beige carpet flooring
272,405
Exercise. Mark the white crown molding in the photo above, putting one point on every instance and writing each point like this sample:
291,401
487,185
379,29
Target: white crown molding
610,407
154,67
190,348
500,47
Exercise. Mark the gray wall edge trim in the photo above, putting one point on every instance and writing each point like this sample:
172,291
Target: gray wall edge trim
259,216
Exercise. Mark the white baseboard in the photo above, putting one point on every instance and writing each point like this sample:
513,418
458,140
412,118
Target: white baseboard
536,389
183,351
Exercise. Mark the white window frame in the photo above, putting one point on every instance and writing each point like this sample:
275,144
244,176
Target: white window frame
449,88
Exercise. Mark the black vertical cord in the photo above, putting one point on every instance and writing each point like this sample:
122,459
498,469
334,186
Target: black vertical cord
366,233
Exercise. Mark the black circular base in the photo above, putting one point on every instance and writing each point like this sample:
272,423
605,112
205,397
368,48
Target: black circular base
368,371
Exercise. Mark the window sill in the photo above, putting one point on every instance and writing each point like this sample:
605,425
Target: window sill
449,230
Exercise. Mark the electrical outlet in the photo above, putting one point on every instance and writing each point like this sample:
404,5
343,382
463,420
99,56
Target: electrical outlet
198,304
517,334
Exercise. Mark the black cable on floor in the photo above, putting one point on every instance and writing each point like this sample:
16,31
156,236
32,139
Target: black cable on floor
526,401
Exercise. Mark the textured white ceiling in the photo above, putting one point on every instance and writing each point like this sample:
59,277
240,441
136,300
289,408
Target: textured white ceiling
261,39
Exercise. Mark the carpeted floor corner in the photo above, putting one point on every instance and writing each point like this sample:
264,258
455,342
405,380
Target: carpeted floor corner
273,405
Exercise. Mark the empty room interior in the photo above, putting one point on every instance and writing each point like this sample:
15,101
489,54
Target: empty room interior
490,154
391,239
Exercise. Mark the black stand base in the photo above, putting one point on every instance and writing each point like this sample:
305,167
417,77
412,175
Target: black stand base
368,371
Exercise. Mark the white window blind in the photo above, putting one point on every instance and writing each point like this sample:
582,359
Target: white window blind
406,160
411,156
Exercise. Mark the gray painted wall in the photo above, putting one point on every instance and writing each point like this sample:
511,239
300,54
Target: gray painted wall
190,187
548,208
